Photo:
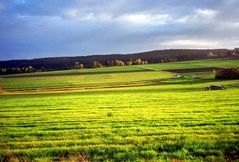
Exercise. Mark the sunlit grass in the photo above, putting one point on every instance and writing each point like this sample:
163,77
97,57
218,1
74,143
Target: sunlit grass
172,119
82,80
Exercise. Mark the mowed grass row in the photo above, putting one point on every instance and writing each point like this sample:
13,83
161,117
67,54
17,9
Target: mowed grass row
171,121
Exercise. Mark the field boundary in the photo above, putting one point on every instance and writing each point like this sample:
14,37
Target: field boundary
192,70
66,89
72,73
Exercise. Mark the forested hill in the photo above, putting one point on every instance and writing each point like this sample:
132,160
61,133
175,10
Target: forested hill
158,56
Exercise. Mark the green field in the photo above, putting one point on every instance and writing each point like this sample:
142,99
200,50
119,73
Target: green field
82,80
152,118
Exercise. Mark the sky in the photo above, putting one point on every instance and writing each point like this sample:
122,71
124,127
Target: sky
49,28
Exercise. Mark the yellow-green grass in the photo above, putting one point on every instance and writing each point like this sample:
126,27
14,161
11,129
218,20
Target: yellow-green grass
175,121
222,63
169,119
114,79
105,69
82,80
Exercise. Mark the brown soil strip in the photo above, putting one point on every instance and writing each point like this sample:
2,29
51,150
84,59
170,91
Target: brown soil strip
193,70
70,88
72,73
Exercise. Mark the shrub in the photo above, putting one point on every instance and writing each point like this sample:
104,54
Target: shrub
119,63
232,73
96,64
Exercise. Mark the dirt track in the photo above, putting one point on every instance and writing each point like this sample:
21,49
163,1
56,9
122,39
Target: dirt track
70,88
193,70
73,73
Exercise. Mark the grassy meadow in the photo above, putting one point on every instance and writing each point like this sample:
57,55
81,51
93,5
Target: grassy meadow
135,116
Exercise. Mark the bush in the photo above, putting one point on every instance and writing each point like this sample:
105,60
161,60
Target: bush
232,73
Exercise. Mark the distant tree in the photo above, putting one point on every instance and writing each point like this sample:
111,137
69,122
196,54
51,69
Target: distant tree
129,63
25,69
81,66
112,63
232,73
229,53
96,64
42,68
171,59
8,71
137,61
29,69
18,70
109,63
77,65
4,70
119,63
161,61
236,51
210,54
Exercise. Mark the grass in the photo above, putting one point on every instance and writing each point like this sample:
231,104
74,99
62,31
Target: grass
162,66
82,80
168,119
223,63
114,79
105,69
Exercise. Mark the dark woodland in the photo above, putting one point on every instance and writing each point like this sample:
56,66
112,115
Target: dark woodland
93,61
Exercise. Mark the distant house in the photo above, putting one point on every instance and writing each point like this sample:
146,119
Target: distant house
215,87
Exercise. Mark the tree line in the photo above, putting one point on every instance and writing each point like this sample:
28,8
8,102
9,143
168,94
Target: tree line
77,65
95,61
231,73
117,62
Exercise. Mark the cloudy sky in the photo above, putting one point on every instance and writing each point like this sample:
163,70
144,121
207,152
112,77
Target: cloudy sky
42,28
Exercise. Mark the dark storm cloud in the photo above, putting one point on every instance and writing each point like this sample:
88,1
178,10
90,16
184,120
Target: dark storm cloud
34,28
